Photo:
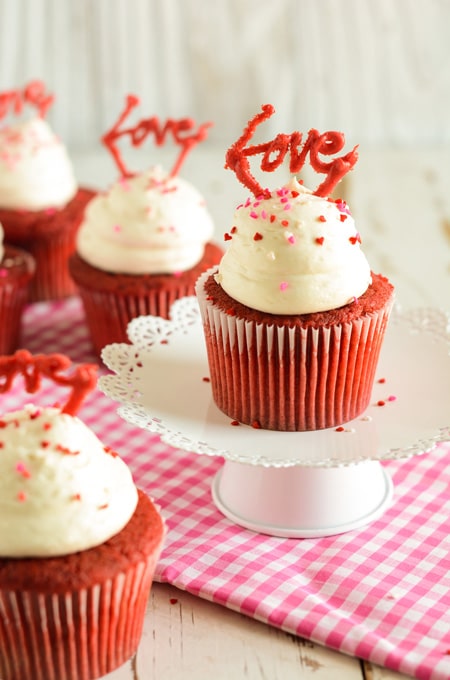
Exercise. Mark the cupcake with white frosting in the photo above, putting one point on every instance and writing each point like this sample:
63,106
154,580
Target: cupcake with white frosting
293,316
41,204
141,246
78,547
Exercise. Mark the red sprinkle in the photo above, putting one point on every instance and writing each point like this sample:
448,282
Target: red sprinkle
272,218
320,240
235,423
343,217
382,380
227,237
380,402
206,379
173,600
257,236
256,425
322,218
340,429
285,223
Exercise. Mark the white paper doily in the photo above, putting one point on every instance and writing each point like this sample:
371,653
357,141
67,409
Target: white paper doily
160,381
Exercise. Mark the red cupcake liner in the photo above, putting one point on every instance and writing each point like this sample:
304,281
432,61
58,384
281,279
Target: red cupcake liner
16,272
112,300
50,237
108,314
291,378
78,635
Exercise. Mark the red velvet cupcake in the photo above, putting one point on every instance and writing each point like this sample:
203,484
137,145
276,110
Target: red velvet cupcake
78,542
141,246
41,206
293,317
16,271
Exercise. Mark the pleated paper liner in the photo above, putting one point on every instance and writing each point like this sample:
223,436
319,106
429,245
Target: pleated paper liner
291,378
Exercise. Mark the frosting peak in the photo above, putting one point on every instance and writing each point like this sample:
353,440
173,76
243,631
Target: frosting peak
151,223
292,252
61,490
35,170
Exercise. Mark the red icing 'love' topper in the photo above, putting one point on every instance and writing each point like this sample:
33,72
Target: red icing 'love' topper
82,380
13,101
275,151
138,134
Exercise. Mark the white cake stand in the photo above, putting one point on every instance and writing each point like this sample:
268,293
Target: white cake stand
291,484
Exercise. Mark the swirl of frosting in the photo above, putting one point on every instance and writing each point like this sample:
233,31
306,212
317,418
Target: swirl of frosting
35,170
293,253
149,224
61,490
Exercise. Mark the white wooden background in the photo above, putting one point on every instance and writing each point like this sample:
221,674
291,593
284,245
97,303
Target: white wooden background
377,69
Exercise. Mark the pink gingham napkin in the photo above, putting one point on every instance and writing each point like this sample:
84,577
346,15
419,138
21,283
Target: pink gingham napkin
381,593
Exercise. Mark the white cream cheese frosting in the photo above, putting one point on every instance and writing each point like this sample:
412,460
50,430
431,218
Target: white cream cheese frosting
294,253
35,170
148,224
61,490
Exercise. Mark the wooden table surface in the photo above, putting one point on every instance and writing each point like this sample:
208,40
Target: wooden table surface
401,201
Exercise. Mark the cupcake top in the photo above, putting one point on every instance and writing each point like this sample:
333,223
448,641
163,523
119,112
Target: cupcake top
293,252
35,170
61,490
151,223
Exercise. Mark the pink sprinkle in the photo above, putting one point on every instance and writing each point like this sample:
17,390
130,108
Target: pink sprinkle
392,397
287,206
284,199
263,214
177,274
50,211
290,238
21,496
283,285
117,228
124,184
256,203
3,273
22,470
254,215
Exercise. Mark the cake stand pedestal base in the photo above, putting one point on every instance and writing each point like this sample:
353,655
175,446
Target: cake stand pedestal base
301,501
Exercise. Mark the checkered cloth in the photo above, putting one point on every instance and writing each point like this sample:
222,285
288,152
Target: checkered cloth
381,593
